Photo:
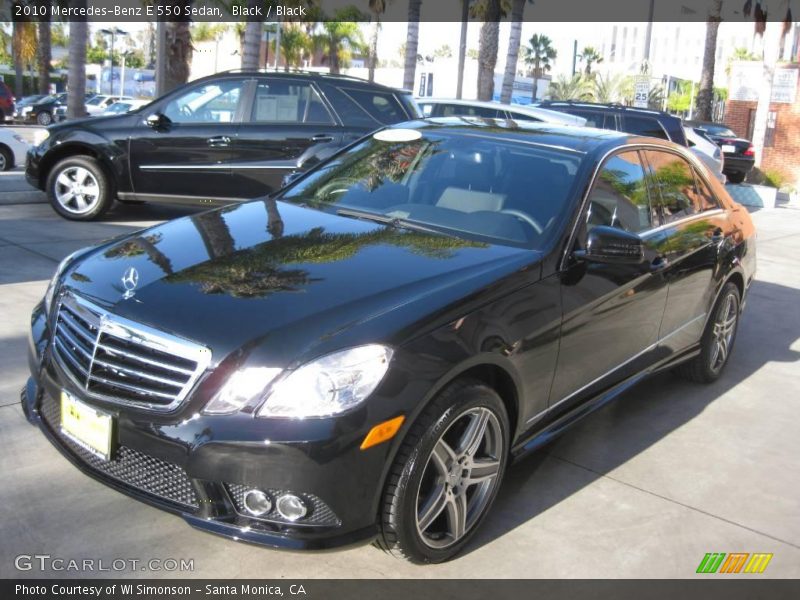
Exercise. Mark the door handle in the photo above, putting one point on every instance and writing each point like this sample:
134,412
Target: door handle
322,137
219,141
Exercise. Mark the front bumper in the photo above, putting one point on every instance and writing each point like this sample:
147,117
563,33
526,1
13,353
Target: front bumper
198,467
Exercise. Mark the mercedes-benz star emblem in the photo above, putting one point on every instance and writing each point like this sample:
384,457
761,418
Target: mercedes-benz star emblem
130,279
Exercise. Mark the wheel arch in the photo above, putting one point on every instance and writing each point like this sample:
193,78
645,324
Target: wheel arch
59,153
9,153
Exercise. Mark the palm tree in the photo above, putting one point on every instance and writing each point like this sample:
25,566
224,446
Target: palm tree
576,87
490,12
24,49
412,41
294,43
590,56
45,54
705,94
514,38
608,89
76,77
538,54
252,37
377,8
179,48
341,36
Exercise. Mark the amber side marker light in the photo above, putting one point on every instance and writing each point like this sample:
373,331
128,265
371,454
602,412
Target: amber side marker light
382,432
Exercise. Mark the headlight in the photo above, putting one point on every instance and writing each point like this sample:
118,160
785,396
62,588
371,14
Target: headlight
329,385
25,110
324,387
52,287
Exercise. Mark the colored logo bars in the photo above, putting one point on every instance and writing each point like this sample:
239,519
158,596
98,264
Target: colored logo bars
736,562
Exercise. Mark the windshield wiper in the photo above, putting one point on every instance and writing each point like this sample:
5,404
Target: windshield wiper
395,222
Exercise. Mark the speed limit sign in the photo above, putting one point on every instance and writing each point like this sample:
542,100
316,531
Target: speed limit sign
641,92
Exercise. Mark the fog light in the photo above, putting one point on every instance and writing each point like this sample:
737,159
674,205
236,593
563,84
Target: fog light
291,507
257,502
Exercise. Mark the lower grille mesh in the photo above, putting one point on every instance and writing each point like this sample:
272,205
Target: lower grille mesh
131,467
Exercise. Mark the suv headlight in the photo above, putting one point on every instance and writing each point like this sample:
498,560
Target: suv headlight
323,387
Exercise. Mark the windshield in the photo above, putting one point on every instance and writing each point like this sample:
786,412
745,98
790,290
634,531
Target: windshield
473,185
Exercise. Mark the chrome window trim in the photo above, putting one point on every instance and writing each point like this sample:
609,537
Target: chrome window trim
636,147
138,333
652,346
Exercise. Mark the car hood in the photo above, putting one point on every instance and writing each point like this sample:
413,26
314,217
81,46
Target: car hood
291,279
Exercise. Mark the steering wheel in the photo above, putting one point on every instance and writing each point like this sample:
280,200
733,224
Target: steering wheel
523,217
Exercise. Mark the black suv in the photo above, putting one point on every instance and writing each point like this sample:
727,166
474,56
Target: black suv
638,121
223,138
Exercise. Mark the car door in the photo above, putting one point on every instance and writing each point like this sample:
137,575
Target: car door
697,229
611,312
286,127
187,154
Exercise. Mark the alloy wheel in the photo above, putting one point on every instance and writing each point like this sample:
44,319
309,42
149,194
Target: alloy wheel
460,475
77,190
2,161
44,118
723,331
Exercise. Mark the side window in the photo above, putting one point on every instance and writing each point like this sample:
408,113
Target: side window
595,119
351,114
522,117
645,126
208,103
427,109
676,188
381,106
286,101
705,197
619,197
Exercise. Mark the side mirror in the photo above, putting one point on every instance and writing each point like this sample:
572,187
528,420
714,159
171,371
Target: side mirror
612,246
156,120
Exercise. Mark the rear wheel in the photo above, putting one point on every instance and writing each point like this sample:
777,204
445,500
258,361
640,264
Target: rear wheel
718,339
44,118
446,474
6,159
78,189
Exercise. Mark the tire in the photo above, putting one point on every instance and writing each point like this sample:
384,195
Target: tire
89,199
718,338
6,159
44,118
420,504
736,177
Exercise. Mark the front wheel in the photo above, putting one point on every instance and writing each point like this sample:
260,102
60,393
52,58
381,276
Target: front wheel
718,338
446,474
6,159
78,189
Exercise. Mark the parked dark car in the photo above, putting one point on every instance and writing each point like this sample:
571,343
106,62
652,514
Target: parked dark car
638,121
6,102
740,156
44,111
361,355
24,102
221,139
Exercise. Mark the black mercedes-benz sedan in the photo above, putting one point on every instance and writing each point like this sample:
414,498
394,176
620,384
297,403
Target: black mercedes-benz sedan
361,355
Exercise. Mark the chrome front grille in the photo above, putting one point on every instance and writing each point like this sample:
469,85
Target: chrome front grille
124,362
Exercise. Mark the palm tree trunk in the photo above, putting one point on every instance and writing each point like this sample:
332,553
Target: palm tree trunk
333,59
412,41
19,67
76,77
179,50
45,55
535,81
462,47
705,94
517,9
373,48
252,38
487,50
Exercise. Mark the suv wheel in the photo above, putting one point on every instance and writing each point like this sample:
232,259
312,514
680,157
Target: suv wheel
78,188
6,159
717,341
736,177
446,474
44,118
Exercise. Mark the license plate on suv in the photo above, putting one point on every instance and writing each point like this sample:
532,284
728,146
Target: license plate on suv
88,427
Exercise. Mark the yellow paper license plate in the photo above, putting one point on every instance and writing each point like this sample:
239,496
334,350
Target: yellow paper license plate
86,426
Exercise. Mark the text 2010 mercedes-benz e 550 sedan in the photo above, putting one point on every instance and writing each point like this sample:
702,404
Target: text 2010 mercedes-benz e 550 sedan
362,355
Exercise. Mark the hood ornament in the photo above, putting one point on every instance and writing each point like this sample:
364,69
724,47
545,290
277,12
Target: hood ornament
130,279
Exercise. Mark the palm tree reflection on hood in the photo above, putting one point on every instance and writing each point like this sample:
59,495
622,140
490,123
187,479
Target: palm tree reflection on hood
142,244
260,270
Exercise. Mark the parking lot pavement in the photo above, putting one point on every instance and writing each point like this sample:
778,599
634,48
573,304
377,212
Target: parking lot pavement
642,488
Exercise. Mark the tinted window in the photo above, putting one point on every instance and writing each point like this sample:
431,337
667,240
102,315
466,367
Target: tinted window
285,101
677,190
517,116
705,199
382,107
594,119
348,110
619,197
460,110
208,103
477,187
647,126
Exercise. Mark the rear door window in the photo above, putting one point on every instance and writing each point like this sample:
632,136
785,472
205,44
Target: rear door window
382,107
646,126
620,196
597,119
678,191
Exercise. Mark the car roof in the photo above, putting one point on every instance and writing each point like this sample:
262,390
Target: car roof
585,140
607,107
532,111
299,74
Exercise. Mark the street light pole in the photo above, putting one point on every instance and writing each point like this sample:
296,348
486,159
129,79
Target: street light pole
113,32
